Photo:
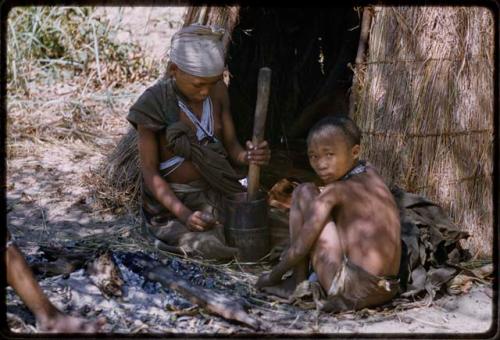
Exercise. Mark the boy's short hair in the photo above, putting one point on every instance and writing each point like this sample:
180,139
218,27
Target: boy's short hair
348,126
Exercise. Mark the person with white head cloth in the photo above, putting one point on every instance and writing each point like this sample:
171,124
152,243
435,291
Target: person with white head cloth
187,143
198,50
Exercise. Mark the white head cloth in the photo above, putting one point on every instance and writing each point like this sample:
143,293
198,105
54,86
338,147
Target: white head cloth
198,50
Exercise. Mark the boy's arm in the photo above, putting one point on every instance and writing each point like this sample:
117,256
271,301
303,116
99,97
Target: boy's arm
316,218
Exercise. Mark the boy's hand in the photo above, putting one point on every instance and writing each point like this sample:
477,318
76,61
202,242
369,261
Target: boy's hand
200,221
258,155
265,281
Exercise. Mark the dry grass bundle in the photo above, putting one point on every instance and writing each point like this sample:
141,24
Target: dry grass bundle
117,183
425,105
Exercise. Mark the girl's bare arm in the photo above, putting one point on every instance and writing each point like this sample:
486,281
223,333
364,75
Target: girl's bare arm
149,157
258,154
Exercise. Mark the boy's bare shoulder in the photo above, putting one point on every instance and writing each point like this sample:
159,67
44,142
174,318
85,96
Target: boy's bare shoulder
373,173
374,184
344,189
333,193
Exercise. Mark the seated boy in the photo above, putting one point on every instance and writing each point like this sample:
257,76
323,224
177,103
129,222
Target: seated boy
186,138
348,230
48,317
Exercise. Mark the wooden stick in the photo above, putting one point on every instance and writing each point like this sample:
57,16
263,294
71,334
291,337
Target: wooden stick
360,56
263,89
213,302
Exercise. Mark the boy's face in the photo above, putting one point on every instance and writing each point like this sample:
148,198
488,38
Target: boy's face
330,154
195,89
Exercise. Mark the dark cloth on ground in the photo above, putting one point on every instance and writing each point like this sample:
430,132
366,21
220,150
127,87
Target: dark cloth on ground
432,245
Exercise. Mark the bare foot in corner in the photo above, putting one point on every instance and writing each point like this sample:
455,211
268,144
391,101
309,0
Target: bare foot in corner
62,323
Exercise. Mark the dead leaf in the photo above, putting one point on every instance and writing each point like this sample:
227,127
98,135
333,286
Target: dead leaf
280,195
460,284
25,198
483,271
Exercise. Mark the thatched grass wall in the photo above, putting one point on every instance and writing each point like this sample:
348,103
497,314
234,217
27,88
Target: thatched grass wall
226,17
425,105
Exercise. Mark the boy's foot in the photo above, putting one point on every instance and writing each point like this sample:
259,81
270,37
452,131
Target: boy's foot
284,290
62,323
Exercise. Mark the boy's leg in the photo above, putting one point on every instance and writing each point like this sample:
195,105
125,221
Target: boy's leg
327,255
347,286
49,318
301,198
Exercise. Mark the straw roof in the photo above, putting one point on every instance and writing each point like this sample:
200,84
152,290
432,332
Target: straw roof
425,106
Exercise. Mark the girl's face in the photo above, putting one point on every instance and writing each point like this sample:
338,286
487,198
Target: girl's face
195,89
330,155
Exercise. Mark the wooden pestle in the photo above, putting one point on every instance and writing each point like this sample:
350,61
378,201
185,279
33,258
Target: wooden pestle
263,89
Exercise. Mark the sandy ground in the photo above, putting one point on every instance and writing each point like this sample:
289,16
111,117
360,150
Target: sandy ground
48,202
